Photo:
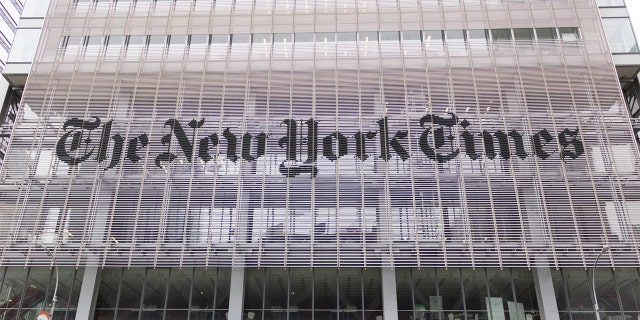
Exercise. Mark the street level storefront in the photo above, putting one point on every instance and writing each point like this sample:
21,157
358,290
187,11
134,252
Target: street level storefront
320,293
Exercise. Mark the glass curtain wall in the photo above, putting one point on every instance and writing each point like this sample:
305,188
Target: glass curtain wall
618,293
26,291
462,293
320,293
163,293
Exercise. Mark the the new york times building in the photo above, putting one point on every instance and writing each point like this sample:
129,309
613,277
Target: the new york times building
321,159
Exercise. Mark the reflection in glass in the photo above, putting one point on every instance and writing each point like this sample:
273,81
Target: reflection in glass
546,34
325,37
501,35
619,35
523,34
569,34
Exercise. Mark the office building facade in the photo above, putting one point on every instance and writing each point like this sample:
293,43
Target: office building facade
343,159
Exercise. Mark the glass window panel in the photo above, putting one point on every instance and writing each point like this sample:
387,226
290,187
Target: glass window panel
523,34
24,45
179,288
94,40
35,8
108,291
136,40
304,37
282,38
301,295
546,33
432,36
411,35
198,39
325,37
390,36
155,290
629,288
525,290
404,289
277,283
454,35
368,36
578,289
178,39
325,293
41,284
156,40
264,38
500,35
223,38
606,292
610,3
372,289
12,289
237,38
222,290
346,36
427,303
115,40
350,293
130,292
450,291
620,35
455,41
254,289
74,41
501,293
477,34
475,291
569,34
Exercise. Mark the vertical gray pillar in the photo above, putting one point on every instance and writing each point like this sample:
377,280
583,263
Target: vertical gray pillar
545,293
88,293
236,294
389,296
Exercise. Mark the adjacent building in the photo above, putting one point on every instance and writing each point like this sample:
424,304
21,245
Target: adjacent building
343,159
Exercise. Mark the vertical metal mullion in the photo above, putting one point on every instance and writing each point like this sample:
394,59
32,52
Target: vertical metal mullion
362,292
215,292
464,299
615,284
49,280
313,293
190,293
144,286
24,289
264,291
115,311
436,283
337,294
4,274
487,299
73,282
566,292
166,295
513,287
288,293
413,297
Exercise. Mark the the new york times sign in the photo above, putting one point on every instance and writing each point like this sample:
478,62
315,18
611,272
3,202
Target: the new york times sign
86,140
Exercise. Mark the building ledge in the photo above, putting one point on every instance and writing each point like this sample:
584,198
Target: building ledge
16,73
627,65
614,12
